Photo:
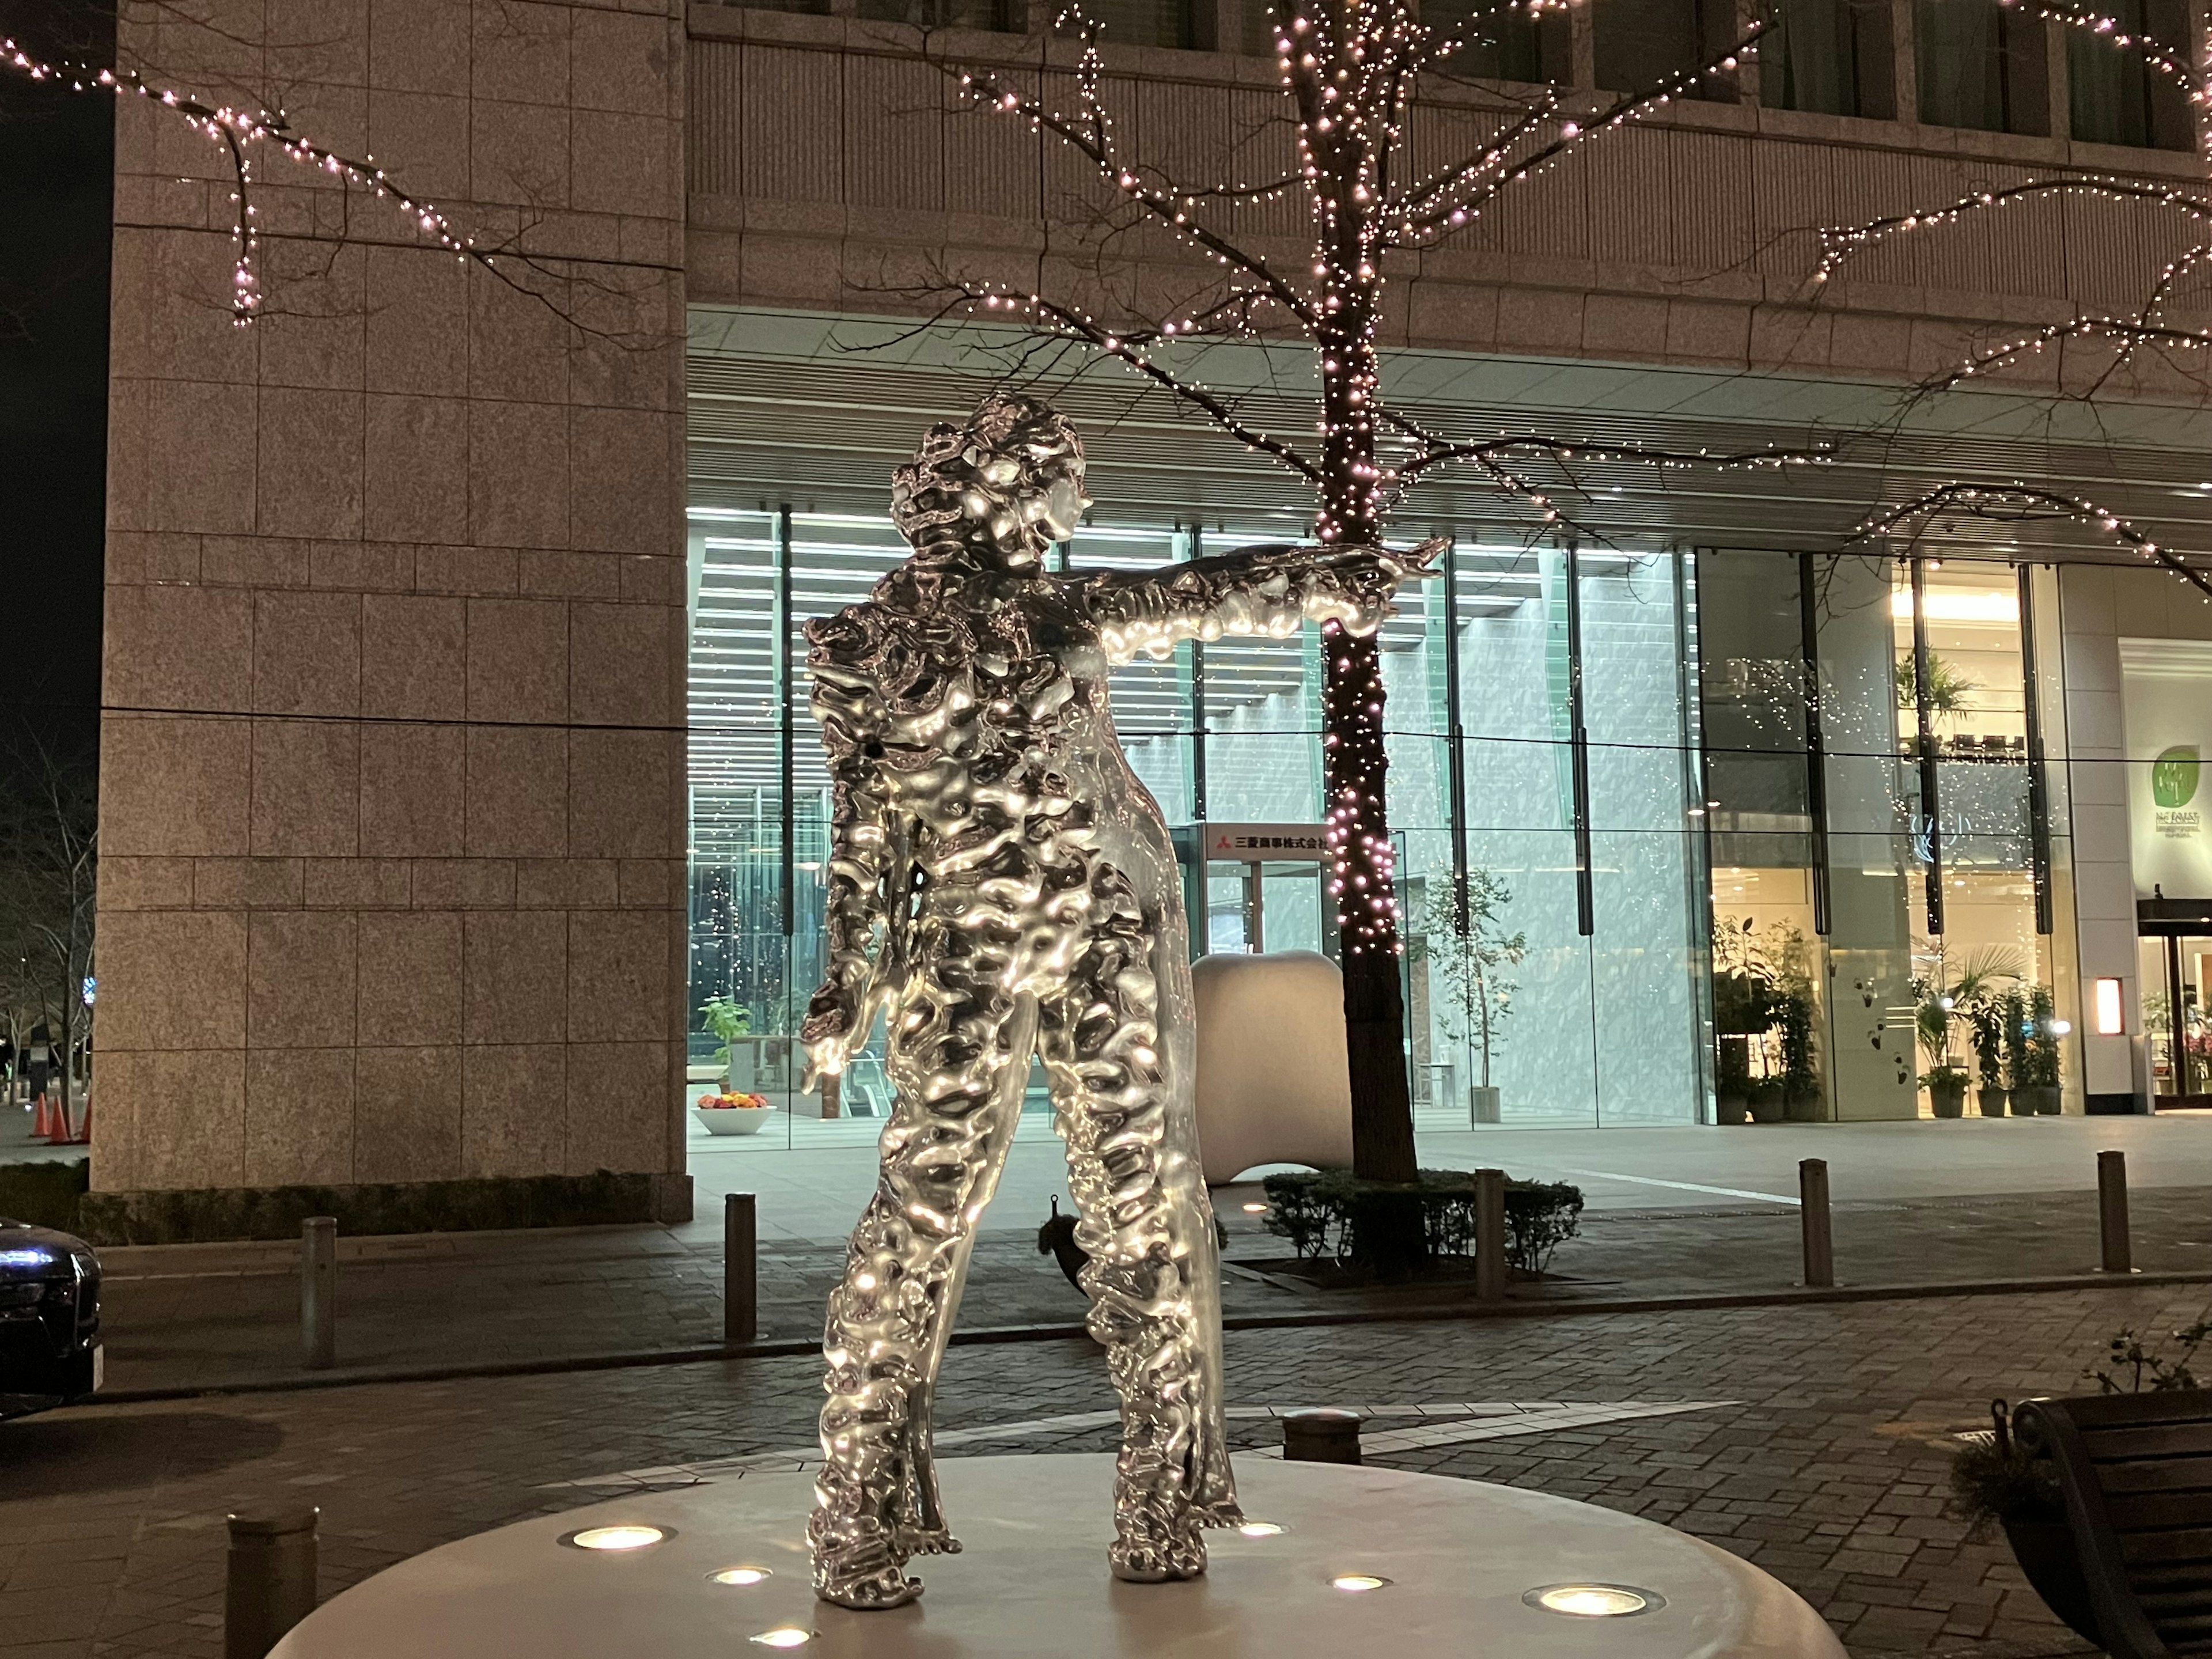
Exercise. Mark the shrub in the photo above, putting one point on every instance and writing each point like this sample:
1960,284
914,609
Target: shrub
1400,1228
45,1195
1995,1480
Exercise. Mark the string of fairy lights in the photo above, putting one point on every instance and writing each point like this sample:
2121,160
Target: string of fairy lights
1351,73
2020,501
235,130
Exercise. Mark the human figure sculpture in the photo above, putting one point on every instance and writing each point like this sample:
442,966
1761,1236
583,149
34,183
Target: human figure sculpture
1000,884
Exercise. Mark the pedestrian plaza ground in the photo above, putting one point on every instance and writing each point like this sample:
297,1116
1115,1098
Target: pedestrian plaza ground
1825,1465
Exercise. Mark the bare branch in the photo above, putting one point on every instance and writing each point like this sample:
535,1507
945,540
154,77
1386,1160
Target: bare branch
2022,503
1159,198
1448,202
1841,243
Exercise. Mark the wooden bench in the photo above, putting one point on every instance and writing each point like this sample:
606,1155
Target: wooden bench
2136,1472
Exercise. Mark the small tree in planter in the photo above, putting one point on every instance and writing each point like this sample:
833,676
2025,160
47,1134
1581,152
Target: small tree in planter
728,1021
2035,1083
1996,1481
1946,1083
1468,947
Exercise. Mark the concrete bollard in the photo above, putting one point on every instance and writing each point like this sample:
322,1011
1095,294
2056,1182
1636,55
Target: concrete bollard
1812,1221
740,1269
1490,1263
318,1292
1325,1435
268,1582
2113,1212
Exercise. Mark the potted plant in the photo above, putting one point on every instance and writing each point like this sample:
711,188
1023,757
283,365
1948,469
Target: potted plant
732,1114
1767,1100
729,1021
1945,1083
2035,1082
1743,1008
1800,1081
1998,1482
1468,951
1987,1019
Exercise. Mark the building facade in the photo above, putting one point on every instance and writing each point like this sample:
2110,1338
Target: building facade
403,611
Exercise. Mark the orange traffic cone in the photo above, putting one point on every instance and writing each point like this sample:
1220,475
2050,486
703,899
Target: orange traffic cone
42,1124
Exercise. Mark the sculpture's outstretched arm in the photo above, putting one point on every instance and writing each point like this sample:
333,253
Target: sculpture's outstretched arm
866,861
1268,590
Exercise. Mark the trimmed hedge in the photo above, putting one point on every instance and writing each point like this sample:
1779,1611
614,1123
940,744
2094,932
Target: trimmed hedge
1393,1228
219,1214
44,1194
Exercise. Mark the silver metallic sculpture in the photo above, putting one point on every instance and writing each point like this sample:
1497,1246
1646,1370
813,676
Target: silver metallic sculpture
1000,883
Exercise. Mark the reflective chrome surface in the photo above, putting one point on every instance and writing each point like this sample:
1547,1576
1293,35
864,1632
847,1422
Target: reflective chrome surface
1000,884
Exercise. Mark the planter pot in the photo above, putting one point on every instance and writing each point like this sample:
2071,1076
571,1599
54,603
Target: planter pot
1991,1102
1802,1109
2041,1101
1732,1109
1482,1105
733,1120
1767,1106
2045,1552
1948,1099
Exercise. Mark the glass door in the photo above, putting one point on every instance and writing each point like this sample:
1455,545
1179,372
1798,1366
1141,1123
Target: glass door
2175,970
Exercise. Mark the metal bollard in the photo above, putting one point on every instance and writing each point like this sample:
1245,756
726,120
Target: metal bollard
269,1584
740,1270
1489,1236
2113,1212
1813,1219
318,1292
1325,1435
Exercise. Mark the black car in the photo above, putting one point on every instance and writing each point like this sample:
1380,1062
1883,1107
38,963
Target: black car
50,1352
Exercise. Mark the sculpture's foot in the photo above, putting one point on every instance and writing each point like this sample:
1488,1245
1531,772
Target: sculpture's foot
1150,1551
887,1586
924,1540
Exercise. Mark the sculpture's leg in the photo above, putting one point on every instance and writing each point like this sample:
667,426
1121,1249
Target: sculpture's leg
1147,1227
958,1056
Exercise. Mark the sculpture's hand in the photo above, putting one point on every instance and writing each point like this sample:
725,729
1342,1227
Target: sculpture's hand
828,1034
1416,564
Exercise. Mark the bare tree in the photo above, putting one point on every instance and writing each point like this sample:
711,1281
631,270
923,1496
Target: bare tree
2095,352
249,128
1351,72
49,853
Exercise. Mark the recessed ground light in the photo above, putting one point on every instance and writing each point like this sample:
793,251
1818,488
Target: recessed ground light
1594,1601
1260,1529
1255,1209
739,1575
1353,1584
616,1538
785,1636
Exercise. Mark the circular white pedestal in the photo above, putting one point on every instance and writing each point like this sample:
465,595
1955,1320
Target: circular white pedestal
1459,1555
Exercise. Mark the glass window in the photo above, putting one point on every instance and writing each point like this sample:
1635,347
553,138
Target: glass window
1643,948
2116,97
1007,16
1830,56
1147,23
1502,43
1981,64
1640,43
1986,956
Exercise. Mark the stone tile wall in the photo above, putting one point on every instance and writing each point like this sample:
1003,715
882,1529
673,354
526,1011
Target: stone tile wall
832,168
392,775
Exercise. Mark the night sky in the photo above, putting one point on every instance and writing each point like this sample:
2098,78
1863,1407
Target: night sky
56,151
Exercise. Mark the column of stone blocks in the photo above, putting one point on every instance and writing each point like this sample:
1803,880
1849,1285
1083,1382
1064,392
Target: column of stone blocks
2097,786
393,762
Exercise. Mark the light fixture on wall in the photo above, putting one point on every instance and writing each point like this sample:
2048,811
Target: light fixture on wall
2111,1010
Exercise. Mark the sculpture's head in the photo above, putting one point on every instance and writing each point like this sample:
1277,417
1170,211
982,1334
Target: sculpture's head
1007,484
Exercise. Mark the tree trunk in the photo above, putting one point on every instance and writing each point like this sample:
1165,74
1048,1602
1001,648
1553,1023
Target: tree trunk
1356,769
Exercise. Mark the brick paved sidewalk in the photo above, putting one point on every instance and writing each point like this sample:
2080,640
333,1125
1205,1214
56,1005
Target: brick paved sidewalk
210,1315
1829,1471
